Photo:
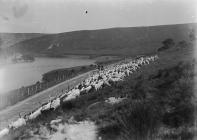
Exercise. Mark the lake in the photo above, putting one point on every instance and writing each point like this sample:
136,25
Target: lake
13,76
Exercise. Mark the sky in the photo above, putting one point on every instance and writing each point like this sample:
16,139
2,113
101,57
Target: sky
55,16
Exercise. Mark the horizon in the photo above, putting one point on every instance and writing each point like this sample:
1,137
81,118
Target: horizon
58,16
98,29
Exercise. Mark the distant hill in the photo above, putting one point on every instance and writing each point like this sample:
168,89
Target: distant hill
9,39
113,41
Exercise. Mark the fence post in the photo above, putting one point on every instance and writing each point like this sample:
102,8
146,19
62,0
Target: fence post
27,90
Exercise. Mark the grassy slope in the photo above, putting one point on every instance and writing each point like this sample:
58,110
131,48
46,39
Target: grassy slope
115,41
9,39
139,99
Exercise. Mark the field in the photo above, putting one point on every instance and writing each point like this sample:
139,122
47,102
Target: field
159,103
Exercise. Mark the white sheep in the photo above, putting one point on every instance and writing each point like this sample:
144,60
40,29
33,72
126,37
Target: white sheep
18,123
4,132
46,107
55,103
55,121
98,85
114,100
87,89
35,114
73,94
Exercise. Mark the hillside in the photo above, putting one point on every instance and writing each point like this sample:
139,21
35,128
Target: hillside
114,41
155,101
9,39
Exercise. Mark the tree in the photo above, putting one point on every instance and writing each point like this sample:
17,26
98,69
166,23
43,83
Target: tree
1,42
83,68
192,36
0,45
72,71
168,42
182,44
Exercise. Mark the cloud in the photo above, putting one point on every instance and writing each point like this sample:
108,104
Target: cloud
5,18
19,9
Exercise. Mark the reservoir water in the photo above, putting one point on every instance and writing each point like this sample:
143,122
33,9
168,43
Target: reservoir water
13,76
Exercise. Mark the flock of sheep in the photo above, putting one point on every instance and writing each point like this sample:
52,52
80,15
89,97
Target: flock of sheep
115,72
